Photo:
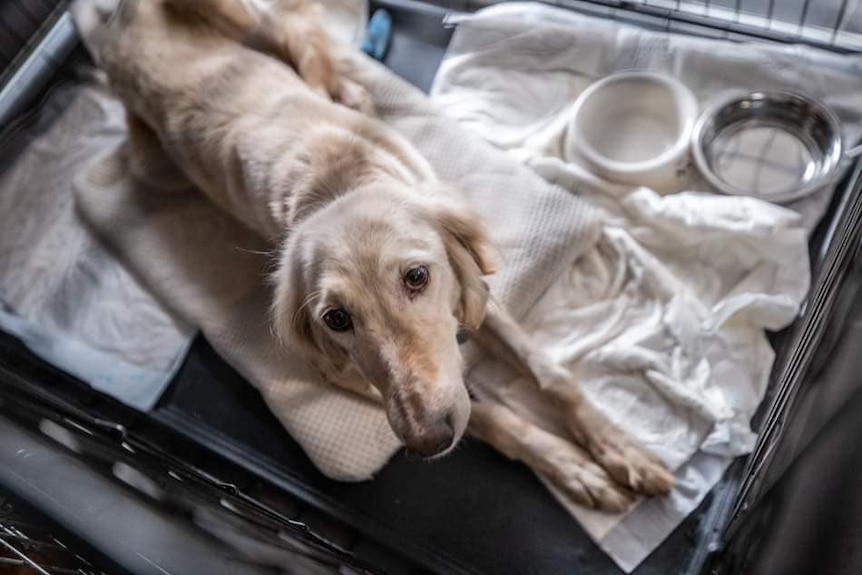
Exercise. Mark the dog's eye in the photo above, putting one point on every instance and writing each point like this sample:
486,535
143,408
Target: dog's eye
338,320
416,278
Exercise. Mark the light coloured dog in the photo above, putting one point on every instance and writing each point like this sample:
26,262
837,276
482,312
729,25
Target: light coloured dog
380,263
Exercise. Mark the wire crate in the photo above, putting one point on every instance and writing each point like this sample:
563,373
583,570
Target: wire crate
834,25
29,546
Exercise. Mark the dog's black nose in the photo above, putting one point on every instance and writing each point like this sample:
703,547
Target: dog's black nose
435,439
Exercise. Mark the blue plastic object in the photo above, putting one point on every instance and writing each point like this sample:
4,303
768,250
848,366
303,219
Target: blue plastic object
378,34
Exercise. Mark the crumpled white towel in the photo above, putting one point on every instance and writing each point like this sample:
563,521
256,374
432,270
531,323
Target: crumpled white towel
664,320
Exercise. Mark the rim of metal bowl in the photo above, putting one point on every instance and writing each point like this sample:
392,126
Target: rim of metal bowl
815,185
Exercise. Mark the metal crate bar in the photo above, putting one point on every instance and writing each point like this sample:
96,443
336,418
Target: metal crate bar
834,25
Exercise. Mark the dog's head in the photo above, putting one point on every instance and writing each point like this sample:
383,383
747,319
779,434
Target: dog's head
375,286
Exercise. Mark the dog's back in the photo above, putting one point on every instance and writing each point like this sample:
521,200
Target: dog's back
217,107
161,53
233,113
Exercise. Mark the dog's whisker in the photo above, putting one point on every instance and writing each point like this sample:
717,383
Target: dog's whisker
315,295
266,253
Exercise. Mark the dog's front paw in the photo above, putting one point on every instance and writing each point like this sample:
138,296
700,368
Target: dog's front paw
572,471
354,96
630,464
619,454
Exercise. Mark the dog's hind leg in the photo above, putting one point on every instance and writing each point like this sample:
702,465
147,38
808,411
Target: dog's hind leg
290,30
625,460
567,466
147,160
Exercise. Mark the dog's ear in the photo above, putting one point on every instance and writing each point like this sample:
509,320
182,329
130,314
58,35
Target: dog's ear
472,254
291,316
292,308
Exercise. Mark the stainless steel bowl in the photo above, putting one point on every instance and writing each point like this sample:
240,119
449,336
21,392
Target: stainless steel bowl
776,146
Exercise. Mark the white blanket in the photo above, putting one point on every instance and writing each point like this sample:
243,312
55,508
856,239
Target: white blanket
664,320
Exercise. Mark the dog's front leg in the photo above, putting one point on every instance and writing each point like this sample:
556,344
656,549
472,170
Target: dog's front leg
567,466
625,460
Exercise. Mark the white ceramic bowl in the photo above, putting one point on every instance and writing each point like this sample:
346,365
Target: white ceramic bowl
634,128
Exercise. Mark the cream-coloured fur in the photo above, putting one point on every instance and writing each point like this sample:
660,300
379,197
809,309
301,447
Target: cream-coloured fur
380,264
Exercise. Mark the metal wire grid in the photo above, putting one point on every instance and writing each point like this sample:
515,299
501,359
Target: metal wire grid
28,548
830,24
282,529
834,25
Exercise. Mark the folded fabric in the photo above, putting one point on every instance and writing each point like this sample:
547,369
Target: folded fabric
664,319
211,271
